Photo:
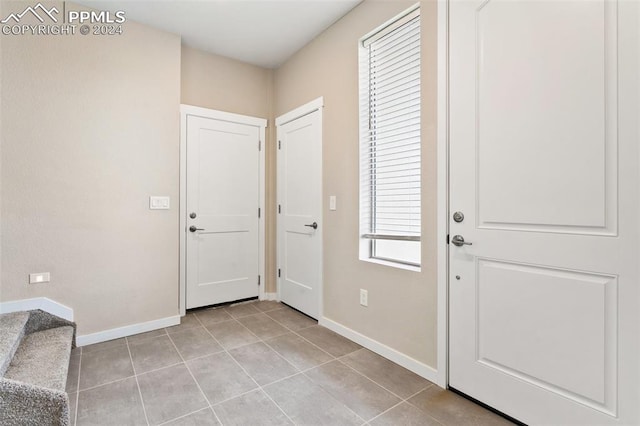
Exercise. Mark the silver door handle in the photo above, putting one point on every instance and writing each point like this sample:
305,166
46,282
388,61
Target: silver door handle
458,240
192,228
314,225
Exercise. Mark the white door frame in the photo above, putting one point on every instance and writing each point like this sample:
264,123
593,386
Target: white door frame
261,123
443,194
308,108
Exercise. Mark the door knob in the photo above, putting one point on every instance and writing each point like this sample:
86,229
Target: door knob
458,240
314,225
192,228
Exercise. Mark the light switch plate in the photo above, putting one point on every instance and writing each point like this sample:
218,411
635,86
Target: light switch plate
159,203
364,297
40,277
332,202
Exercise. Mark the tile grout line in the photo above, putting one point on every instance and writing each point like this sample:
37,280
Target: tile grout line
339,401
313,344
421,390
248,375
191,373
299,371
441,422
264,342
75,417
142,339
371,380
262,390
386,411
260,340
254,380
158,369
402,400
188,414
339,359
108,383
223,349
144,408
295,332
140,374
237,396
364,421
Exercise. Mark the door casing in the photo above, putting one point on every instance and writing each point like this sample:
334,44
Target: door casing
442,196
261,123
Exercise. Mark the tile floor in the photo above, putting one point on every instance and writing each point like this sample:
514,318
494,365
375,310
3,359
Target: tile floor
256,363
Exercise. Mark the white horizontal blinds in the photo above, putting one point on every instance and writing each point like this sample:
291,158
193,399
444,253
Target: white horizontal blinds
391,140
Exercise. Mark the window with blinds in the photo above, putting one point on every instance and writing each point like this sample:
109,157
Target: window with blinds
390,142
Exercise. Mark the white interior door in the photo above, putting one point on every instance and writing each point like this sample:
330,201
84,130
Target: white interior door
222,211
300,210
544,166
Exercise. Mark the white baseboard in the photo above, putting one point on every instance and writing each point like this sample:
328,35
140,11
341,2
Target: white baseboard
270,296
127,330
42,303
381,349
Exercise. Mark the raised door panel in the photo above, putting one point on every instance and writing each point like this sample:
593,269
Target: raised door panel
545,116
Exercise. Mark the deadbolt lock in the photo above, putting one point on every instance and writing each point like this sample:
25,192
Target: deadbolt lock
458,217
193,215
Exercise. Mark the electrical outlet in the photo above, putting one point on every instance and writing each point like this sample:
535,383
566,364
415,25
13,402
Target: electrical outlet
364,297
40,277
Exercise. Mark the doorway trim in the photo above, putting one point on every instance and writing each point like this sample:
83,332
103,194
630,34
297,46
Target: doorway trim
261,123
443,194
312,106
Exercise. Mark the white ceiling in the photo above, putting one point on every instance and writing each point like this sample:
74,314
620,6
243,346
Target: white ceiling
260,32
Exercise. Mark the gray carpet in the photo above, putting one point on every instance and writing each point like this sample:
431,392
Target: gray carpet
26,405
43,359
12,328
35,348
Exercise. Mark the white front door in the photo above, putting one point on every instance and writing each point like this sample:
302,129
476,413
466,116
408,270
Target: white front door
223,177
300,210
544,164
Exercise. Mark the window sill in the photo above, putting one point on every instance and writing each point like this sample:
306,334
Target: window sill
397,265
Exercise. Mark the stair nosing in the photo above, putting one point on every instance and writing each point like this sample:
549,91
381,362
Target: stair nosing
26,355
6,361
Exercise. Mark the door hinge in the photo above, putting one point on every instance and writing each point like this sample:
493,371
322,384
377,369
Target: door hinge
259,145
447,238
279,209
278,272
258,279
279,144
258,212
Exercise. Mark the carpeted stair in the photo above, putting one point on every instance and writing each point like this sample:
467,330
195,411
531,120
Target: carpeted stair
35,348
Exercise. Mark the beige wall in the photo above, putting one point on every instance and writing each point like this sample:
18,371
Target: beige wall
402,304
90,129
224,84
216,82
